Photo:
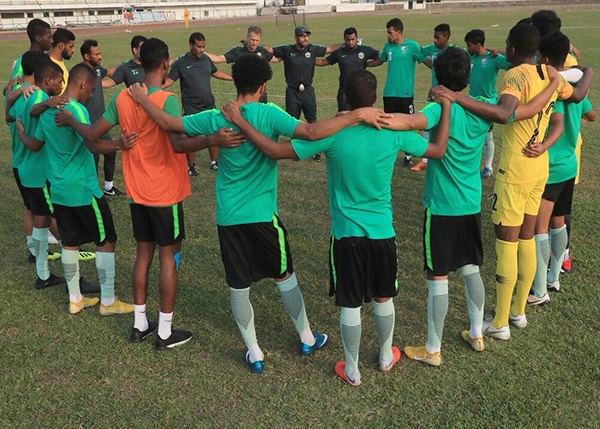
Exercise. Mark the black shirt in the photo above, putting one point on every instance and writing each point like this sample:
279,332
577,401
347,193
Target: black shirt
299,65
351,60
129,72
195,74
238,52
96,104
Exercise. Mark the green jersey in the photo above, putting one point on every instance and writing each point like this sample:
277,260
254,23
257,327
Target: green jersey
16,145
484,74
453,183
563,160
246,178
402,60
360,163
72,175
34,169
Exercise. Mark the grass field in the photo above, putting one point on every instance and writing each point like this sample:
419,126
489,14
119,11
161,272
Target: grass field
61,371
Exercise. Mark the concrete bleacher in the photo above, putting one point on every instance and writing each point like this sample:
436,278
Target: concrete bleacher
14,14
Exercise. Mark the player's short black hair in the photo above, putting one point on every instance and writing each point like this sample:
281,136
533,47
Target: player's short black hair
249,73
361,89
453,68
350,30
62,35
152,54
45,69
136,40
196,37
443,28
525,39
29,61
36,27
475,36
396,24
546,21
526,21
555,46
81,72
87,46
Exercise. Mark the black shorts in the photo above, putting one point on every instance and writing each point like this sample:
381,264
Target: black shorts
255,251
399,105
85,224
21,189
451,242
163,225
361,268
297,101
341,101
561,194
39,201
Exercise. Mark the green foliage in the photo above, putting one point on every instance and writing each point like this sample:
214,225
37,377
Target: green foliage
80,371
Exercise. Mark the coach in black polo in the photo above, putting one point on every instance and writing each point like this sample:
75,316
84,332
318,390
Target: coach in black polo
299,64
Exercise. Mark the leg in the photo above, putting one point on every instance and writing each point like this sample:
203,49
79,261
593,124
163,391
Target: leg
143,260
105,264
506,271
191,160
385,318
293,104
243,313
475,296
490,147
542,248
558,242
350,325
213,151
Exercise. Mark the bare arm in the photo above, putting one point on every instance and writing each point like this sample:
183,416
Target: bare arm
30,143
276,60
89,132
428,62
576,52
225,137
437,149
168,83
321,62
374,63
57,101
220,74
108,82
216,58
583,86
332,48
558,126
324,128
126,141
590,116
139,93
404,122
110,71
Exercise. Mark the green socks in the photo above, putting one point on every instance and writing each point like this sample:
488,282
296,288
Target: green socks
350,325
437,308
105,264
385,316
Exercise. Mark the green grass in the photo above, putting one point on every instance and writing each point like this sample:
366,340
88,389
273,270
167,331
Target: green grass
79,371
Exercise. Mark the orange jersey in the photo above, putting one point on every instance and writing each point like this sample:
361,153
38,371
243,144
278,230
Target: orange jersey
525,82
154,174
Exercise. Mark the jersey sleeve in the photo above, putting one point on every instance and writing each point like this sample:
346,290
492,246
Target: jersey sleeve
199,123
428,50
559,107
111,115
266,54
433,113
320,51
565,90
174,73
231,56
119,74
418,54
213,67
515,81
502,63
383,55
305,149
411,142
103,72
283,123
172,106
39,133
17,69
371,53
333,58
586,106
279,51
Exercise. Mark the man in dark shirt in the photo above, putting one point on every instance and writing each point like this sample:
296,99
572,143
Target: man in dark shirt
250,46
299,68
92,57
351,56
195,69
130,71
